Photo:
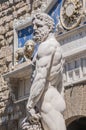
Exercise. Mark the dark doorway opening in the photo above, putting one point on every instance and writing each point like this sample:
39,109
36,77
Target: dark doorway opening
78,124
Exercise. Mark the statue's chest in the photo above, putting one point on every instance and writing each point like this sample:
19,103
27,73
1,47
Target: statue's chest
44,50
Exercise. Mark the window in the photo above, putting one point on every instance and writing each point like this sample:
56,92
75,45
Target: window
77,64
71,66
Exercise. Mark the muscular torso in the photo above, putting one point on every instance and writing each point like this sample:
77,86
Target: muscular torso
50,57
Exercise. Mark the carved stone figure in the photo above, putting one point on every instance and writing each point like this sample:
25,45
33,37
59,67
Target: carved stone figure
28,49
47,89
25,53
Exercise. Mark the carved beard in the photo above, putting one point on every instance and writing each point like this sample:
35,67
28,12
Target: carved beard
40,36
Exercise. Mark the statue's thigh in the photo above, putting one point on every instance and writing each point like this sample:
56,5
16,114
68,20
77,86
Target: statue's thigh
53,99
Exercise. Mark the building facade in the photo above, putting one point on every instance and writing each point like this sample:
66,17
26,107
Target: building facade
15,78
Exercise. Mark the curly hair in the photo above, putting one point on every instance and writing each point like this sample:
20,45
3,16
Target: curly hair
47,20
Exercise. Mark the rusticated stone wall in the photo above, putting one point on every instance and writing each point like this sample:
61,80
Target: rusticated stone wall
75,97
9,10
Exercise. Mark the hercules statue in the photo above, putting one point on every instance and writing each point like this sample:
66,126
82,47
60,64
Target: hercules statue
47,91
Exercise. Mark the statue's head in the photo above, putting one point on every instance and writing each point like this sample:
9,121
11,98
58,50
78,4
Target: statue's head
43,24
29,48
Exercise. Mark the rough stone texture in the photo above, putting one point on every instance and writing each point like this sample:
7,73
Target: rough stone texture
75,97
9,10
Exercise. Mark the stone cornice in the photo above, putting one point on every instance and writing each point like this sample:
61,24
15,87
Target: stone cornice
21,71
71,32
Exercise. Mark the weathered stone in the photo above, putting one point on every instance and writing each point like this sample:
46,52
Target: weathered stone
2,43
5,95
1,21
9,18
16,1
11,24
5,6
1,37
8,51
2,30
9,11
9,59
0,7
20,5
22,11
9,34
2,104
7,27
4,52
15,14
4,88
2,62
10,1
10,40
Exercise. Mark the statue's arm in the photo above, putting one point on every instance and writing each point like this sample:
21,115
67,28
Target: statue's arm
39,83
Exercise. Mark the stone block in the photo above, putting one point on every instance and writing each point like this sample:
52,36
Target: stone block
1,37
16,1
1,21
2,30
2,43
2,104
15,14
4,88
5,95
7,27
10,11
8,51
9,18
11,1
5,5
0,7
20,5
22,11
11,24
2,62
9,59
9,34
10,40
3,51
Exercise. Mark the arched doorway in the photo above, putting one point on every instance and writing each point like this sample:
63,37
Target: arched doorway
78,124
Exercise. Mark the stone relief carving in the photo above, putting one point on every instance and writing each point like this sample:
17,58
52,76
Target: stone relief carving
46,101
25,53
71,13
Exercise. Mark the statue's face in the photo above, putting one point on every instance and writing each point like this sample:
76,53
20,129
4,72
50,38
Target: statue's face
29,48
41,30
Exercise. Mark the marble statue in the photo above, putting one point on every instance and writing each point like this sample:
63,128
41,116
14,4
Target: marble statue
46,100
25,53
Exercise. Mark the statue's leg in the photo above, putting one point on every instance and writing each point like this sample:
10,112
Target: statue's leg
52,106
53,120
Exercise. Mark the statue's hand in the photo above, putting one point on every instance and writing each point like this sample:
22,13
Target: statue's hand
24,125
33,117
